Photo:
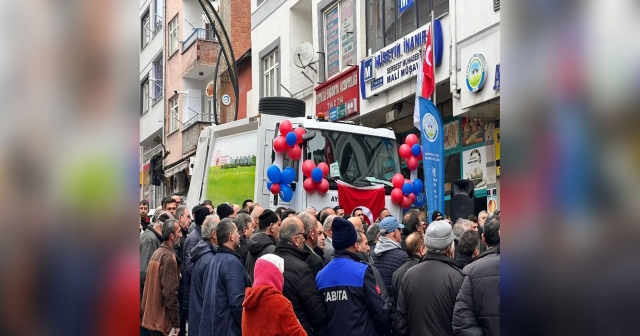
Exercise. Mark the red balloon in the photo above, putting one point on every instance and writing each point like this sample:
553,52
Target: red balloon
396,195
275,188
325,168
322,187
299,131
397,180
285,127
406,202
411,140
307,167
413,198
309,185
405,151
412,163
280,144
294,152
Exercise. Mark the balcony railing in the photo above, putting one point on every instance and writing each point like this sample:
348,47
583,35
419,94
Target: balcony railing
158,26
201,117
146,156
198,34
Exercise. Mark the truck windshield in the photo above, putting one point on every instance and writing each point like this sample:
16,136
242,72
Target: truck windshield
357,159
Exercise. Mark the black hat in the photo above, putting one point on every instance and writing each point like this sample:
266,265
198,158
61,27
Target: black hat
344,233
224,210
435,215
267,218
200,213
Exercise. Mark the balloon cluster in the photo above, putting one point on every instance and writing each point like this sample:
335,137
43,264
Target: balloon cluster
406,192
411,151
280,181
289,140
315,180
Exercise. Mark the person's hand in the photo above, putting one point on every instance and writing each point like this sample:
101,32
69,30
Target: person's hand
176,331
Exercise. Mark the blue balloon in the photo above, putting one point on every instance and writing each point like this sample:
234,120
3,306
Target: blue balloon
273,174
285,192
420,199
316,174
269,184
416,150
288,175
418,186
291,139
407,189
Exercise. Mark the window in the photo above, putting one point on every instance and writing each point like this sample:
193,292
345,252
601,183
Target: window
390,20
144,96
173,36
173,124
158,75
159,12
271,68
339,37
361,160
146,29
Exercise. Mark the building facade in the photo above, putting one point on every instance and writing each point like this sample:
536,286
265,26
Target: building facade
194,98
151,97
360,64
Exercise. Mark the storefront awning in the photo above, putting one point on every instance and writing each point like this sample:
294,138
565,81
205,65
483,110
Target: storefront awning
175,169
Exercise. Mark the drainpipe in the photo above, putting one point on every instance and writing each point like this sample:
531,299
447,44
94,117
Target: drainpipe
454,50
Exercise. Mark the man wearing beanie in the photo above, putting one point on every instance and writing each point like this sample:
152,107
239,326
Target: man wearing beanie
429,312
225,210
352,298
266,312
264,241
388,256
299,282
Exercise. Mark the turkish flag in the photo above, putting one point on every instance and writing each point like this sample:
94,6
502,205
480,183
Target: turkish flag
369,199
428,67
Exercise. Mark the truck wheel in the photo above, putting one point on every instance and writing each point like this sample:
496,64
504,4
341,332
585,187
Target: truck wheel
282,106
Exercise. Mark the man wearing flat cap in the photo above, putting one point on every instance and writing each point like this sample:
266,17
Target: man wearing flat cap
263,242
429,312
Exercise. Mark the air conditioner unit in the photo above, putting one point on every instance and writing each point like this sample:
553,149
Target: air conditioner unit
179,186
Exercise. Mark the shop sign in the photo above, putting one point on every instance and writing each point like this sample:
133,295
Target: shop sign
476,73
338,98
496,141
492,201
474,167
396,63
175,169
333,41
496,82
404,4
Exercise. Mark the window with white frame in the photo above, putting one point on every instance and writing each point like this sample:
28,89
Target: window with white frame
271,68
146,29
158,14
158,75
173,105
144,95
173,36
339,37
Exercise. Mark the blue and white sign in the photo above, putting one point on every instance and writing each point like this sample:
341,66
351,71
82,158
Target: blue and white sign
433,155
404,5
496,83
396,63
476,73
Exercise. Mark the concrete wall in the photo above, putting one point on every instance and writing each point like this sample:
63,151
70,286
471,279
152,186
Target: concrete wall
173,82
151,121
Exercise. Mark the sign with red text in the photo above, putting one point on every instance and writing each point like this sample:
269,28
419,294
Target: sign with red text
339,98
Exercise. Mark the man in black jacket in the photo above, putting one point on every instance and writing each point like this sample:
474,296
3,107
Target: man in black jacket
311,241
352,297
468,247
299,282
192,240
245,229
183,216
415,250
429,312
264,241
477,307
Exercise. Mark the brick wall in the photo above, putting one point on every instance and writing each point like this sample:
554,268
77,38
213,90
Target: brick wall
240,27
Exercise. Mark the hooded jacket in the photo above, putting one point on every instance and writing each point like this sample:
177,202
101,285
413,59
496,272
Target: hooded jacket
226,282
352,297
300,287
266,312
259,244
388,257
192,240
477,307
201,256
427,294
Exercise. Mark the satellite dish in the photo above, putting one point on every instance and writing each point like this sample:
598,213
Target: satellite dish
303,55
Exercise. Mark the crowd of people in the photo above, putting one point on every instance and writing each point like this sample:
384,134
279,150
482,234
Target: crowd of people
249,270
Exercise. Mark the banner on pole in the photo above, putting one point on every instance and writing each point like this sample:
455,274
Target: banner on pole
433,155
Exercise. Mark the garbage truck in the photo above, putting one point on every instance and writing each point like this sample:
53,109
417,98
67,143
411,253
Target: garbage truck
232,159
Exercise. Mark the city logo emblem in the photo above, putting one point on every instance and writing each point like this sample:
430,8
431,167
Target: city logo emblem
430,127
226,99
476,73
